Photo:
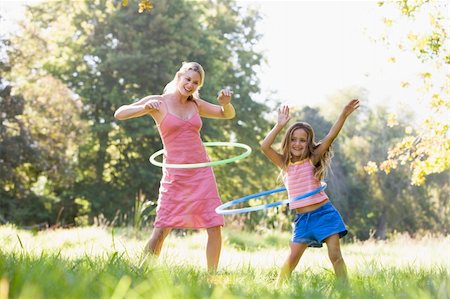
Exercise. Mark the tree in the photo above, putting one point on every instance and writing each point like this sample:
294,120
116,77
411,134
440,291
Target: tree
47,114
109,55
20,162
426,151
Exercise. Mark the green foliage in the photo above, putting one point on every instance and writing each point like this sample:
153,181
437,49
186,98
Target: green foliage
378,203
142,210
109,55
427,150
20,162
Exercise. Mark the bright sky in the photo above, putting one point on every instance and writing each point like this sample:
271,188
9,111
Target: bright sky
314,48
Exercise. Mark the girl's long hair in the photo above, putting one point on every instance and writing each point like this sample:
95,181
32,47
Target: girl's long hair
187,66
324,163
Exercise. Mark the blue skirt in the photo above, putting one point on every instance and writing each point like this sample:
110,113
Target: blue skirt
314,227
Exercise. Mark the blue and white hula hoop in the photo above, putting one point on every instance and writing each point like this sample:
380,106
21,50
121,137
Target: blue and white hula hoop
221,209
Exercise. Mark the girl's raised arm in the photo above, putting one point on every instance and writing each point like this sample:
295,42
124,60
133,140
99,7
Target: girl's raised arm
266,145
334,131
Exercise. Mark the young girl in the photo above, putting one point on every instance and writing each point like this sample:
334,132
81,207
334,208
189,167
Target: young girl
187,197
304,164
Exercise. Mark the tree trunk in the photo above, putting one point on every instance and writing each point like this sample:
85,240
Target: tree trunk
380,233
101,155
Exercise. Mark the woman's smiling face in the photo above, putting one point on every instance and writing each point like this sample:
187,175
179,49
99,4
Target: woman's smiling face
188,82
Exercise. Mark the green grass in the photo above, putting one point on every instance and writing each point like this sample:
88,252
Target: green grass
100,263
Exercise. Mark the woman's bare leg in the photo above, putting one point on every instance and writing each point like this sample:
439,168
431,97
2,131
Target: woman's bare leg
213,247
154,245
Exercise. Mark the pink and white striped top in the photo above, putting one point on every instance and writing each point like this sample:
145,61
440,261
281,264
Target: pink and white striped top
300,180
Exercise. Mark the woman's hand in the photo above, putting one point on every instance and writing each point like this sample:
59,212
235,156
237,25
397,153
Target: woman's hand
283,115
224,96
152,105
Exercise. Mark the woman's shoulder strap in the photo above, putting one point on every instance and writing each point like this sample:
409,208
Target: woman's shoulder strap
194,100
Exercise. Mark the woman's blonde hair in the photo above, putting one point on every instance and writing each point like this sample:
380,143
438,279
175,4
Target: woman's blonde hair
187,66
322,166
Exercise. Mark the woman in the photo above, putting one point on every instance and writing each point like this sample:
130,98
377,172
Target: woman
187,197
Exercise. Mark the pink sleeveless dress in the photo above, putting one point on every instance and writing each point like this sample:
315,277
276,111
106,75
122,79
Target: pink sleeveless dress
188,197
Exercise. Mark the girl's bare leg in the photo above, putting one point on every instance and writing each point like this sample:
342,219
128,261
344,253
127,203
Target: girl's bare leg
297,250
334,253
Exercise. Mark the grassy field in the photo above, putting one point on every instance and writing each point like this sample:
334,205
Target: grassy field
97,262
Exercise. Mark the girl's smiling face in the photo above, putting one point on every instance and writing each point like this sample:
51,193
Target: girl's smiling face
298,144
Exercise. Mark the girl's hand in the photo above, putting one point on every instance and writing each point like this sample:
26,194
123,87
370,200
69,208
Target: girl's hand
283,115
350,107
224,96
152,105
